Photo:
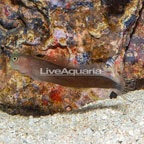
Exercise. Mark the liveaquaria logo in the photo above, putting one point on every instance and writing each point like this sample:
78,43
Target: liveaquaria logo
70,72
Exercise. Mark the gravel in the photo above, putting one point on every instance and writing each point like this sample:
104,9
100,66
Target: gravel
116,121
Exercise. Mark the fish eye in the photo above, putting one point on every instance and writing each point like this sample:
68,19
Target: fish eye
15,59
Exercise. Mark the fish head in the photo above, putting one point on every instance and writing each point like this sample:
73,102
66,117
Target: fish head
20,62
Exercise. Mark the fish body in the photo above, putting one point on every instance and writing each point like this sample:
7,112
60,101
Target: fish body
34,67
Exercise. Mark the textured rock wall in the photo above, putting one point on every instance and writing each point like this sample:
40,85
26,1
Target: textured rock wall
79,32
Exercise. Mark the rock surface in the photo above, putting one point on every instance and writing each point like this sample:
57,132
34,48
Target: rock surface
116,121
93,32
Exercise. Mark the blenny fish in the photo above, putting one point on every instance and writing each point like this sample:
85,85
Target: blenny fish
31,66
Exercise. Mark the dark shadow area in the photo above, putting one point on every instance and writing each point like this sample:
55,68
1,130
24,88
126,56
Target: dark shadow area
37,112
23,111
115,7
139,84
134,29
